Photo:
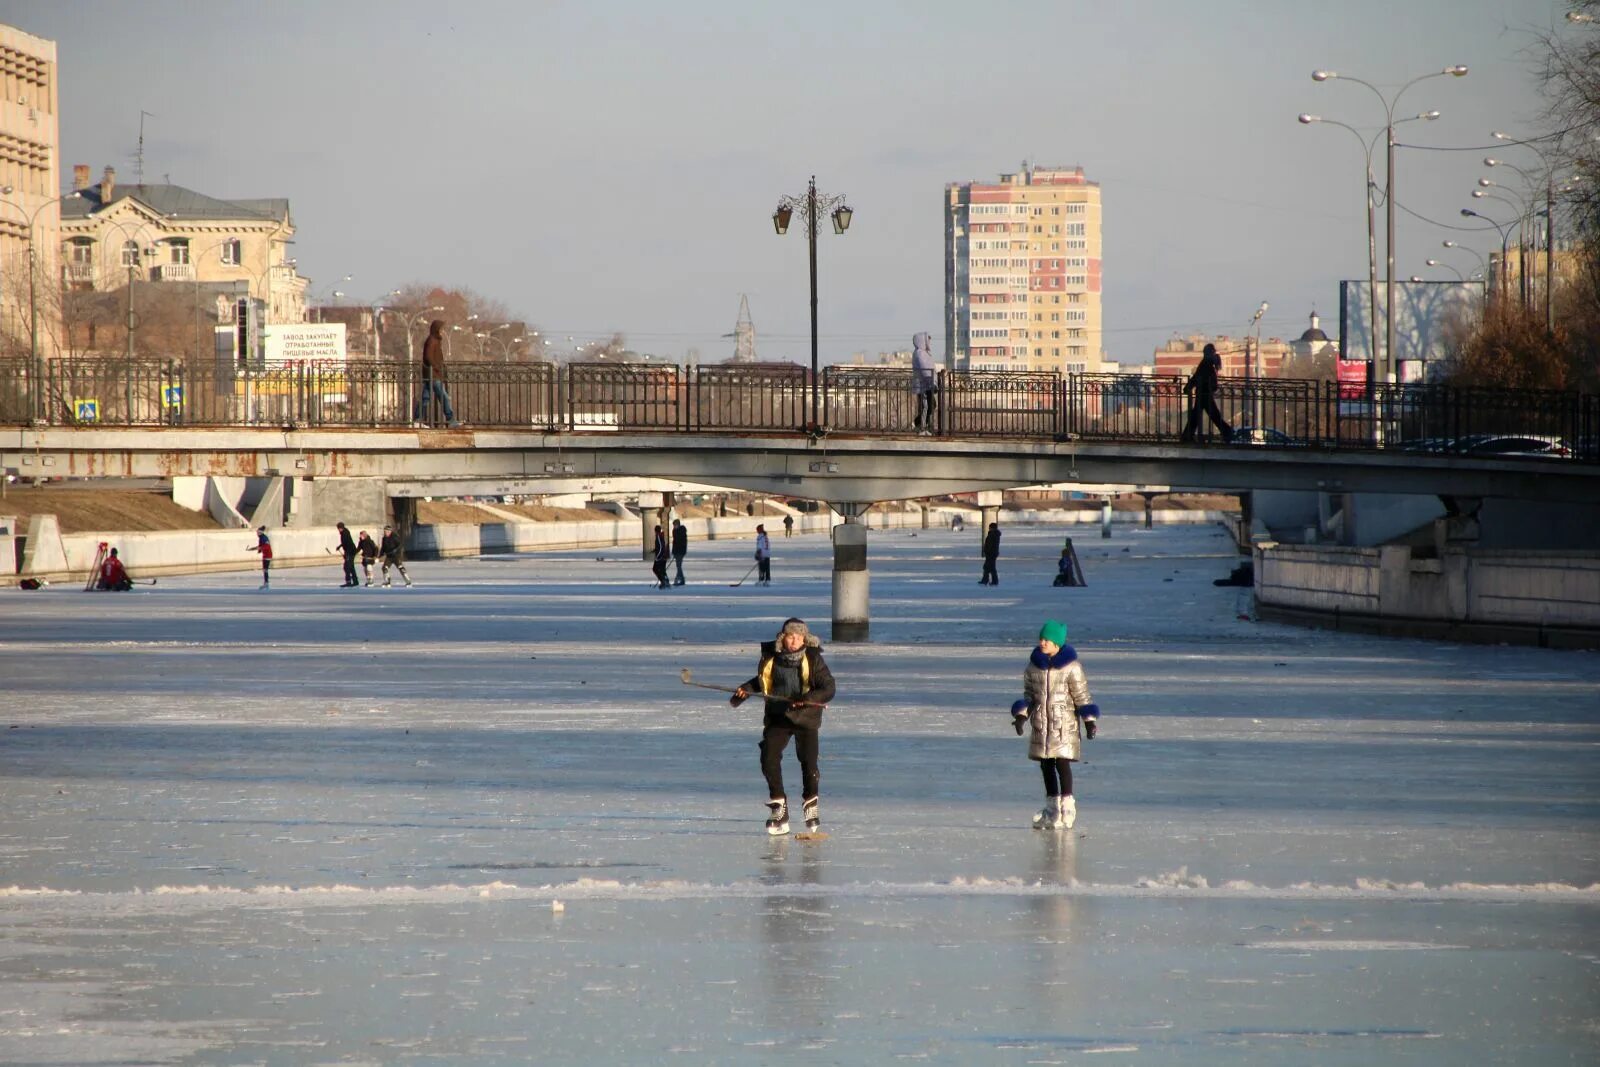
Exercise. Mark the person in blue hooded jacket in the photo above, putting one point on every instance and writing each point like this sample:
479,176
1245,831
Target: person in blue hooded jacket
924,383
1057,704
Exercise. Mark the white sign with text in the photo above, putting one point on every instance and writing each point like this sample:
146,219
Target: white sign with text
285,342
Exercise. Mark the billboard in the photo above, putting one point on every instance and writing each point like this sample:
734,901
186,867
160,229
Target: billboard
285,342
1422,310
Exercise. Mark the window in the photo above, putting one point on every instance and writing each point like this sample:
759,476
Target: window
232,253
82,251
180,249
130,253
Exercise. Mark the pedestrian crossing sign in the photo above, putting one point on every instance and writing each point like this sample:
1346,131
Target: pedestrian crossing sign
86,410
172,396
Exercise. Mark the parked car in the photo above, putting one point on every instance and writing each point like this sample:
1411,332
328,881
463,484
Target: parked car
1263,435
1518,445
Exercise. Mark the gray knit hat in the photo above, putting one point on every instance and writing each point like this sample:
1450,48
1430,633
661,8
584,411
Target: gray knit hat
794,626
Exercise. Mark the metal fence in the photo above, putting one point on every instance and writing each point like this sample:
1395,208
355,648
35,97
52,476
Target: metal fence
608,397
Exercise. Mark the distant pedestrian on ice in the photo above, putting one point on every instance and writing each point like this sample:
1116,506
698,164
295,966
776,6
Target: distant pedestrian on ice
680,548
763,556
796,682
1202,390
392,555
263,545
788,525
991,555
1057,704
369,554
347,549
924,383
658,559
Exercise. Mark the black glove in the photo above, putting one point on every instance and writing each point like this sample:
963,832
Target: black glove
1089,728
738,698
1019,721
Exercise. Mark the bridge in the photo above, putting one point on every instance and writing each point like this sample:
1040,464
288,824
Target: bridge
530,427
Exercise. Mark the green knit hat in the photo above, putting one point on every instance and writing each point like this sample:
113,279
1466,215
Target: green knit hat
1054,632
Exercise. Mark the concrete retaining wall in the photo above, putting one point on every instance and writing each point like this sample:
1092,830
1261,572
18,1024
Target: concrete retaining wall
1536,597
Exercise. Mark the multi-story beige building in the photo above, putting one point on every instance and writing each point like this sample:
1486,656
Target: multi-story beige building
113,233
1022,272
30,180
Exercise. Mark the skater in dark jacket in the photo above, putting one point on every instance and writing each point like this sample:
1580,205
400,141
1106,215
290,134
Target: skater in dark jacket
796,682
658,561
1056,702
347,548
680,548
369,554
263,545
991,553
392,555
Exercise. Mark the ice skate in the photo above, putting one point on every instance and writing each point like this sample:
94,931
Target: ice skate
387,583
409,583
812,810
1046,816
778,821
1066,813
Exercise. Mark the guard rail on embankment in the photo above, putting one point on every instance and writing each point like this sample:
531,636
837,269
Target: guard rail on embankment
68,557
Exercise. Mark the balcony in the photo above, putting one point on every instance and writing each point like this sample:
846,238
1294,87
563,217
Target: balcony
175,272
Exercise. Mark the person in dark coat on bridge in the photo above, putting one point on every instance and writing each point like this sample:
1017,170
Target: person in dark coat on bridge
991,553
1202,390
347,548
680,548
797,684
433,376
658,560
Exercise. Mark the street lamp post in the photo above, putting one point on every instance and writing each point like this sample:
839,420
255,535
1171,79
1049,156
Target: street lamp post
33,297
1550,217
1523,208
811,206
1505,235
1367,146
1389,104
1441,263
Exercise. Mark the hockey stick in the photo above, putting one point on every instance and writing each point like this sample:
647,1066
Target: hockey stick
688,679
748,573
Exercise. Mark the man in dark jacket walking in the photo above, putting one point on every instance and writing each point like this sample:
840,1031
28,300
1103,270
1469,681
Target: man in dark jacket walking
658,560
796,682
347,548
680,548
1202,388
991,553
433,376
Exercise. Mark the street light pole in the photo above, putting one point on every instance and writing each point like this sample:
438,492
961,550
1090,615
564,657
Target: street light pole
1389,104
33,298
1367,147
811,206
1505,234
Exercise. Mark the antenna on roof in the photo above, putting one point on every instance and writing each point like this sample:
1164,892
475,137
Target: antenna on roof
138,157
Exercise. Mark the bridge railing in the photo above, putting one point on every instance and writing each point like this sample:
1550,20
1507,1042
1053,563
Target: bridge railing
598,397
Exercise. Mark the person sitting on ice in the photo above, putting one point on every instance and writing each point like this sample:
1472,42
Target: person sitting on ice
1064,568
113,576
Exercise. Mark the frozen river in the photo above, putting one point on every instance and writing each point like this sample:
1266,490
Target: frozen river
316,825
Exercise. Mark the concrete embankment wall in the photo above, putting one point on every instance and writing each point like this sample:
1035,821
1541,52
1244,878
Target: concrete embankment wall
1545,598
60,558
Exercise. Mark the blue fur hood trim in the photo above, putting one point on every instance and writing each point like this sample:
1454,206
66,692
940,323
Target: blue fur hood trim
1064,655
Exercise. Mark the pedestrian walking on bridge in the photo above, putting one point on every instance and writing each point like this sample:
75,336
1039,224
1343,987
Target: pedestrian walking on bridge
1202,389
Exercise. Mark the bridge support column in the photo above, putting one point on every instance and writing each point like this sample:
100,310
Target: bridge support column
851,580
988,511
649,518
927,507
1105,517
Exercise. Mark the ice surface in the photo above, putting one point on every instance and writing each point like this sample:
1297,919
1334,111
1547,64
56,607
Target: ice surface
316,825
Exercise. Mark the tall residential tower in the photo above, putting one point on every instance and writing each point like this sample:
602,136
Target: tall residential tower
1022,272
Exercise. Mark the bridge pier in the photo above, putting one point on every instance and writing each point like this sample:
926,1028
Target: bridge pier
650,516
851,580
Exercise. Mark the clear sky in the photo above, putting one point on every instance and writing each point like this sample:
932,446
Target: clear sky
610,165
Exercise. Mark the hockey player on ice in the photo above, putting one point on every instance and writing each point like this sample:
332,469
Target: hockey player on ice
796,682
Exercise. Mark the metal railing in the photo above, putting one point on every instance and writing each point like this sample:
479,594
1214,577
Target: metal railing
729,398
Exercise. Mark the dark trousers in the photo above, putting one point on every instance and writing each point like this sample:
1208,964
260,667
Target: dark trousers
677,579
1205,403
659,569
774,739
350,569
764,569
927,404
990,575
1057,777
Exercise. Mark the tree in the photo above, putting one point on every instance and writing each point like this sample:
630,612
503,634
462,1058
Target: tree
461,307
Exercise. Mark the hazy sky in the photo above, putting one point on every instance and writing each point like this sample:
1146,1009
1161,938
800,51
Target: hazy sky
609,165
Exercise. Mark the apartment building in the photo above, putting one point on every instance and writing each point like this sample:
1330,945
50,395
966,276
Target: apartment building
30,180
1179,356
113,232
1023,272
